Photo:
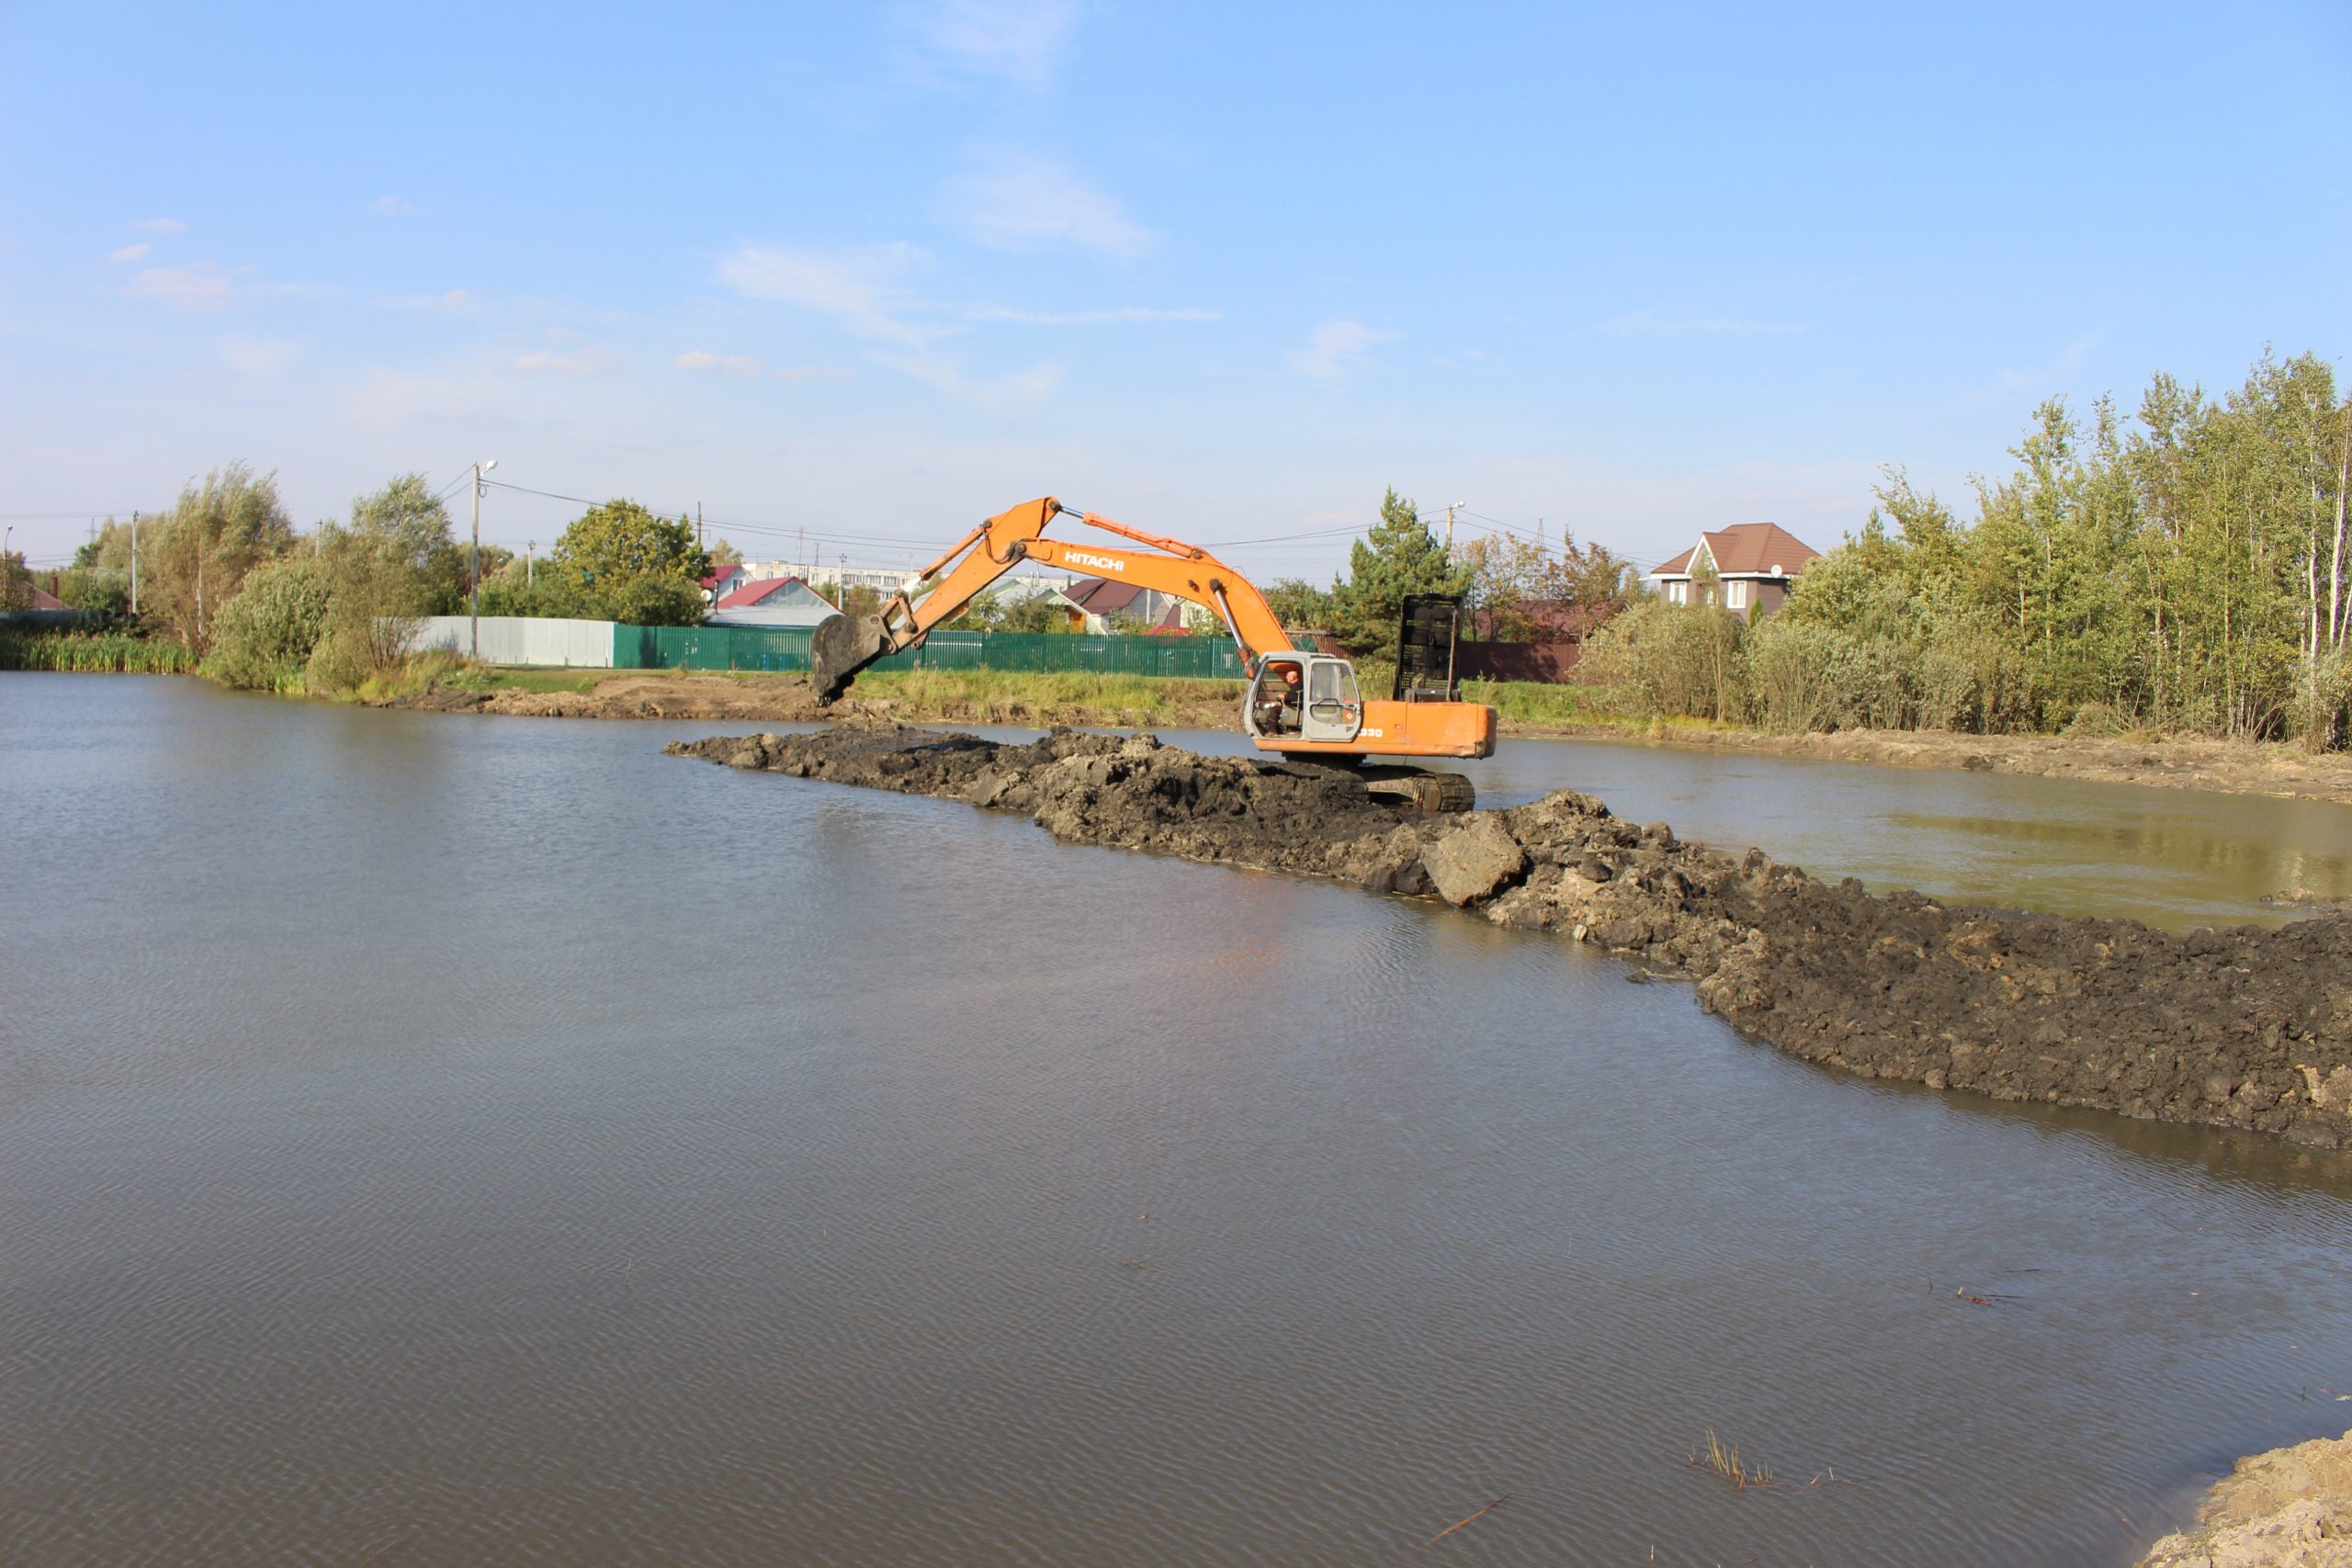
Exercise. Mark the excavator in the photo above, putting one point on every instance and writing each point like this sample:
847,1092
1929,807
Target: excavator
1302,704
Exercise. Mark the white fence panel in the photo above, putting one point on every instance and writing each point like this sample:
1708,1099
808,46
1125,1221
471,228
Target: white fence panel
521,639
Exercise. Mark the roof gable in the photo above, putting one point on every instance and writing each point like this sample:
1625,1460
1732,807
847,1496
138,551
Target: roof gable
1758,549
1744,549
770,590
1108,598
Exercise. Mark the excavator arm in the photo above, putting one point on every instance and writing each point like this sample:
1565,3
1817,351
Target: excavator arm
844,645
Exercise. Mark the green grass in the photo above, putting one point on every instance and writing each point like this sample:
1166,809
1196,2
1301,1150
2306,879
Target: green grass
412,677
513,678
108,653
1143,694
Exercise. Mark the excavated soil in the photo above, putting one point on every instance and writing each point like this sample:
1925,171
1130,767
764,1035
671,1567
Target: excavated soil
2240,1028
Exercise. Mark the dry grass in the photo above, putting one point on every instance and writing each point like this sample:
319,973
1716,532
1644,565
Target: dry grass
1724,1461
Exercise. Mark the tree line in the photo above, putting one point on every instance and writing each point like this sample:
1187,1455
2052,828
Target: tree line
2184,570
225,574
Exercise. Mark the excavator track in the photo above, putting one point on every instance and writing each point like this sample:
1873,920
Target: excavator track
1427,794
1415,790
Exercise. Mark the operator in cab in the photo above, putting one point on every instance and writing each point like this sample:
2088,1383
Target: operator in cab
1278,698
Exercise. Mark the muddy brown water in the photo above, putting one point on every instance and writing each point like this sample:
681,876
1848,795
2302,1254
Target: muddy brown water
463,1140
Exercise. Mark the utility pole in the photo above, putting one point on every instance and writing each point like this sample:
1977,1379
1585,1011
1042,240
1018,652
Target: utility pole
530,550
697,525
134,564
473,597
1448,525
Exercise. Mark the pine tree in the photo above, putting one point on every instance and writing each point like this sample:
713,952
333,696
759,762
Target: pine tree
1400,556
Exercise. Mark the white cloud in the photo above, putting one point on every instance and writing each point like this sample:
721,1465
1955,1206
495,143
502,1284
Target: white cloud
815,373
703,359
1022,390
2065,365
198,287
1032,204
1022,41
447,303
1337,347
589,361
162,226
1115,316
130,253
258,358
1655,322
857,288
392,205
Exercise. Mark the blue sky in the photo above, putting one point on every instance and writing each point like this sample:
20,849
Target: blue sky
1224,272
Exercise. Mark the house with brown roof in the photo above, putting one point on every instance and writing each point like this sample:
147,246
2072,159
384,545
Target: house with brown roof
1754,562
1099,599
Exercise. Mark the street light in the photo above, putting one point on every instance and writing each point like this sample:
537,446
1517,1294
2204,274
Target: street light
473,596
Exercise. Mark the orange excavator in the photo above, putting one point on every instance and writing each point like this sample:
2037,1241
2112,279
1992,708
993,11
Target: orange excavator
1301,703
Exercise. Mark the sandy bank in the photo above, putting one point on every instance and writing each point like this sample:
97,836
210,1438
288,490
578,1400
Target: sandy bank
2241,1028
2291,1507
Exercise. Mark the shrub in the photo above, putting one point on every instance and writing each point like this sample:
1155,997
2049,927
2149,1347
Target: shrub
264,636
1943,689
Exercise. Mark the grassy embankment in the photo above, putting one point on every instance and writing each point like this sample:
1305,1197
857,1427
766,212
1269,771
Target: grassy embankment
1070,696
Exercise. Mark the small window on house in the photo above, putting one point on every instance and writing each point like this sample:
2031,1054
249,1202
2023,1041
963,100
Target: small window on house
1736,595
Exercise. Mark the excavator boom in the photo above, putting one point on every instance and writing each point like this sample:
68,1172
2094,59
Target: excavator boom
844,645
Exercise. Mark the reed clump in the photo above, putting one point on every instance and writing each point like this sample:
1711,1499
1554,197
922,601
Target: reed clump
94,653
1724,1460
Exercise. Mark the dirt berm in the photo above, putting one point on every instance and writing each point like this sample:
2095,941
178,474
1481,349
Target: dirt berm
2241,1028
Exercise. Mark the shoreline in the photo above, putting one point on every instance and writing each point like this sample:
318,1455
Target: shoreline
2218,767
2284,1507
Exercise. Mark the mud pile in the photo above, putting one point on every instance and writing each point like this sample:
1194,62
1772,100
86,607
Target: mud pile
2241,1028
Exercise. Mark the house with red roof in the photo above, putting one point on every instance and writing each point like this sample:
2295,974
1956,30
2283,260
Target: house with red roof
723,580
770,602
45,609
1753,563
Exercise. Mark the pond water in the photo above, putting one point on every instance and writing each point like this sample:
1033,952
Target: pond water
434,1139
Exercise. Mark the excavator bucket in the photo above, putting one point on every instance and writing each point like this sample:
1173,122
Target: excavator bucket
839,648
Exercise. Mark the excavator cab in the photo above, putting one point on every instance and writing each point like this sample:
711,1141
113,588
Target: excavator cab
1303,696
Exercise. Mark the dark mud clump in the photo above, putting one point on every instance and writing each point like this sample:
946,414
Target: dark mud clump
2241,1028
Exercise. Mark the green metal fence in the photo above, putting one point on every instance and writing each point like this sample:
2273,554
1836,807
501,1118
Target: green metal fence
710,647
780,647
